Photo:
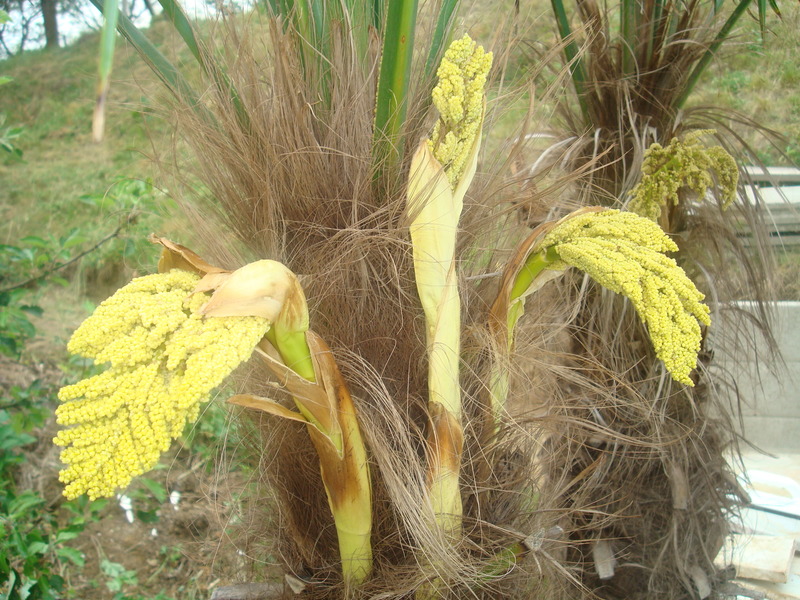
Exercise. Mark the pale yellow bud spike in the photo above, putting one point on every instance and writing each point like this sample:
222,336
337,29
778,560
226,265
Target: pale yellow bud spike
459,98
435,212
441,171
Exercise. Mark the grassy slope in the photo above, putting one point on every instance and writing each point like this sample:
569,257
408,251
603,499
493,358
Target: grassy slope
52,96
66,181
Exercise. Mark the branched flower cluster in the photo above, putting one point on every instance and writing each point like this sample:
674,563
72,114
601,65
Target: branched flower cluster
625,253
459,99
683,164
164,360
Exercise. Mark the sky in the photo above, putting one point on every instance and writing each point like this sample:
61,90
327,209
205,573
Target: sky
72,26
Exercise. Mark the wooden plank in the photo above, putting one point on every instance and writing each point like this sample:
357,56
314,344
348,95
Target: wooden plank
761,557
778,591
782,208
249,591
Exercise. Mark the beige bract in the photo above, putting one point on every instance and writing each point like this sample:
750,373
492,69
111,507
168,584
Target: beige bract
164,360
459,99
624,253
683,163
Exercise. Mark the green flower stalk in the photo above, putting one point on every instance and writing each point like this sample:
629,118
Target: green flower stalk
686,164
164,360
441,171
302,360
327,409
623,252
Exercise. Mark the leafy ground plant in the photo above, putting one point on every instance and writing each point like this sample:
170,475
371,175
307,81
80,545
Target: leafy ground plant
8,133
23,268
34,549
8,137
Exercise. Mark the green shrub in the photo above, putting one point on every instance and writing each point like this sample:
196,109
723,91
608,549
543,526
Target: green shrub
33,544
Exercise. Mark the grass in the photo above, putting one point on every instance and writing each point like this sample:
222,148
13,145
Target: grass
52,96
761,81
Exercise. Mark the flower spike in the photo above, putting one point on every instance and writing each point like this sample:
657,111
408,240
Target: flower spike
165,359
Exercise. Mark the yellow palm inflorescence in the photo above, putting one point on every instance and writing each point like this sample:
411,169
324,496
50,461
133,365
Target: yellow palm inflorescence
624,253
165,359
459,98
683,163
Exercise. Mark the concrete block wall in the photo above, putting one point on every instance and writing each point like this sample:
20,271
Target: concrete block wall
770,393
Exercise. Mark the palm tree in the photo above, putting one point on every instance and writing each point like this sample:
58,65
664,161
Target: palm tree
384,283
657,473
